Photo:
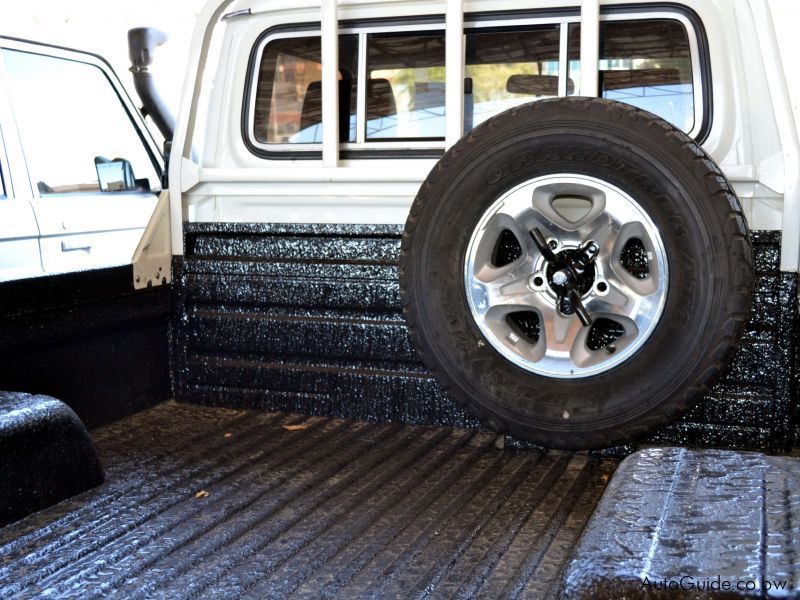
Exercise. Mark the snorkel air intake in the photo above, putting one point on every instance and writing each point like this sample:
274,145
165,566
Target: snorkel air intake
142,42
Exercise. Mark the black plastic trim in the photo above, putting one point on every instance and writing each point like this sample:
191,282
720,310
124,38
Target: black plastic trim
389,21
507,15
477,17
367,153
499,28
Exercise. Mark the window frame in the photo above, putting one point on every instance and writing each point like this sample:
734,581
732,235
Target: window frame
6,187
3,195
473,23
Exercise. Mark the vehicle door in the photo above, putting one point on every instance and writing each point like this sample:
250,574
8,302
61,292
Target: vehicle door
93,168
19,234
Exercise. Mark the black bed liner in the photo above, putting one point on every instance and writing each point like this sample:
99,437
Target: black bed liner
215,502
308,319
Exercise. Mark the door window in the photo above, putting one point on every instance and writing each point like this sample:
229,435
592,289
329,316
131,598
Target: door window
77,135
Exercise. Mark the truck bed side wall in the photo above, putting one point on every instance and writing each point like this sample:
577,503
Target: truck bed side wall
89,340
307,318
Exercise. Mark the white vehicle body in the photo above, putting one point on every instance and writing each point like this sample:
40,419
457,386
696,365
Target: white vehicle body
750,130
75,228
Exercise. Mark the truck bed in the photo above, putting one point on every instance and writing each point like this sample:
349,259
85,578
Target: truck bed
214,502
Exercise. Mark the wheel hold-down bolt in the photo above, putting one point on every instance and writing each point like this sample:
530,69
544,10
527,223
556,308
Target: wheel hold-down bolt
565,306
571,273
560,277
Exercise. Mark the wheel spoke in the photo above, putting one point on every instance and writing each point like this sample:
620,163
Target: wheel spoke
551,230
620,301
541,244
604,230
509,289
512,293
560,331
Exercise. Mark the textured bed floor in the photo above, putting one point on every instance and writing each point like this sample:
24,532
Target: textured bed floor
209,502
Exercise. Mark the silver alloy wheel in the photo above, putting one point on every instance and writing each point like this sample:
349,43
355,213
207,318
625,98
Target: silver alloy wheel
569,210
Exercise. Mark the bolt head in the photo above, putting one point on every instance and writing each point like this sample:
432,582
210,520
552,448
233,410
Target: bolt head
559,278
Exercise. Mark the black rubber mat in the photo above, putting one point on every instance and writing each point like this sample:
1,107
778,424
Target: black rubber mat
203,502
46,455
680,523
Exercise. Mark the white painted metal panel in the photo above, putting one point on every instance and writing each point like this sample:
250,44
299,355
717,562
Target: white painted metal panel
19,233
454,72
330,84
590,46
97,229
79,252
738,102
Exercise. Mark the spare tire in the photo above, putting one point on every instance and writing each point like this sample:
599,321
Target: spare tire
576,272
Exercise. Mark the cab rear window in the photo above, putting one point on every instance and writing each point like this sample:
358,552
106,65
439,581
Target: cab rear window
644,63
288,104
397,97
405,86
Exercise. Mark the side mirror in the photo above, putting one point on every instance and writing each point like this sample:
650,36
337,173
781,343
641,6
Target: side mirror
114,175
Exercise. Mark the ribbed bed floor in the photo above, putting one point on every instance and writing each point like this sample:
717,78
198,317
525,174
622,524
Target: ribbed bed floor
209,502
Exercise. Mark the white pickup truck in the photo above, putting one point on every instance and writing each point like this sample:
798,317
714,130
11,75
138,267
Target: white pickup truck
576,271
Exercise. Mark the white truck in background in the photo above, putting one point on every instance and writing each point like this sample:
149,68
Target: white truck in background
66,204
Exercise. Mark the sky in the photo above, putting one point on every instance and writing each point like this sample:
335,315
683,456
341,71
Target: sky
101,26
